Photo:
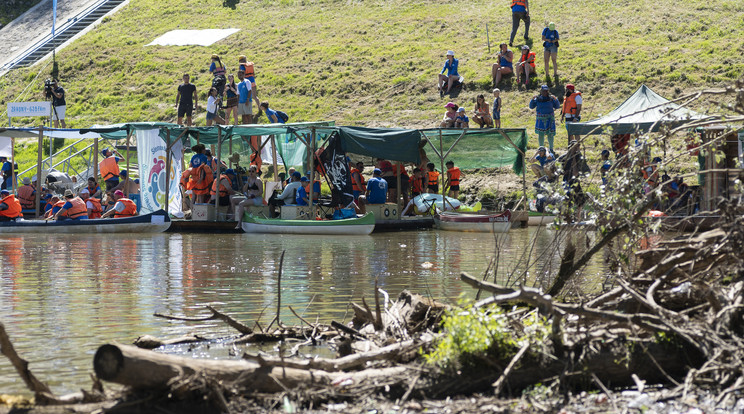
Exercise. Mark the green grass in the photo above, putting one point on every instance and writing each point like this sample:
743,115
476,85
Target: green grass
10,9
374,63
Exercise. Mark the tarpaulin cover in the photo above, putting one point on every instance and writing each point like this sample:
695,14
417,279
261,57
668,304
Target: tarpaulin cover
390,144
478,148
26,132
644,111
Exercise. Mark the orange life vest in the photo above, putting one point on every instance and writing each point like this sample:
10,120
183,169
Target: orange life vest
26,196
78,208
650,176
433,177
130,209
247,67
417,185
530,58
519,3
354,183
223,189
569,104
185,178
201,179
454,176
14,207
109,168
97,210
58,204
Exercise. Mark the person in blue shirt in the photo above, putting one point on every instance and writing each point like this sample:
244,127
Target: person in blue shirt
520,11
271,114
606,165
545,105
450,66
462,120
376,193
246,95
7,173
541,158
550,43
199,156
303,193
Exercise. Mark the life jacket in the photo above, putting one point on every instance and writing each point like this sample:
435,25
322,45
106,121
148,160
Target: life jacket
454,176
78,208
354,183
223,189
433,177
522,3
97,209
109,168
26,196
14,207
58,205
184,181
416,185
530,58
569,104
201,179
219,68
247,67
130,209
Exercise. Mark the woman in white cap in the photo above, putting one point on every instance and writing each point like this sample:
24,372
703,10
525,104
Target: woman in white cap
450,66
550,43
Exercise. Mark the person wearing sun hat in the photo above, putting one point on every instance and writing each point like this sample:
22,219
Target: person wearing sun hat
450,116
27,194
450,66
550,44
545,105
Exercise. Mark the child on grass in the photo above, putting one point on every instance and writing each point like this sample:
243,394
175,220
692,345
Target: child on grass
496,108
462,120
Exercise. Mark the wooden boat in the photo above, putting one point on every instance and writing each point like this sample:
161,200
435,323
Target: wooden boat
484,223
156,222
352,226
540,219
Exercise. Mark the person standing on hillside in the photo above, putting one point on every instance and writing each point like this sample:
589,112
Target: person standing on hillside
186,100
450,66
504,66
496,108
59,104
545,105
572,108
249,71
550,44
520,11
245,98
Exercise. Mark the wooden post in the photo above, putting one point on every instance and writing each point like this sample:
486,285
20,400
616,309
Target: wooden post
312,173
95,160
167,169
216,174
38,171
273,155
441,161
231,151
398,193
13,178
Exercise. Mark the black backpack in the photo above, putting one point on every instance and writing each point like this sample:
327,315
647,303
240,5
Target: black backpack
282,115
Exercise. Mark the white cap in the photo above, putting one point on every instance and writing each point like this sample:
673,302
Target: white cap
84,191
450,53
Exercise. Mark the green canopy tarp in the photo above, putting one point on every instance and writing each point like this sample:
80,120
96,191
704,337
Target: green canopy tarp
479,148
390,144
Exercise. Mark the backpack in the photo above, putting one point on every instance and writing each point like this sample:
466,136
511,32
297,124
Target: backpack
282,115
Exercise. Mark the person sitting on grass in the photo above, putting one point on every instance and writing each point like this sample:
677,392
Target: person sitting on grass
482,115
450,116
504,66
541,158
462,120
526,65
450,66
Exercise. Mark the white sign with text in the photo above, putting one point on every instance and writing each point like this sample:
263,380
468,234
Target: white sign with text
18,109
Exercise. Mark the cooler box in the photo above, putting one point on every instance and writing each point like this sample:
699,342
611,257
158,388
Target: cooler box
295,212
387,211
202,212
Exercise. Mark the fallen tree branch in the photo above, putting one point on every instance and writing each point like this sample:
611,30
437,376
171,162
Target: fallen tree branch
500,382
216,315
40,389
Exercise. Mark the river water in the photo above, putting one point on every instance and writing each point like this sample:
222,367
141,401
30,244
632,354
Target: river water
62,296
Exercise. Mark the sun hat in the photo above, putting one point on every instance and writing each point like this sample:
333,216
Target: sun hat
450,105
68,193
570,86
26,180
215,56
525,47
544,88
119,193
377,171
450,53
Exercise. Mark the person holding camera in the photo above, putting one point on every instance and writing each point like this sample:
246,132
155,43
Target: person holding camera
58,103
571,111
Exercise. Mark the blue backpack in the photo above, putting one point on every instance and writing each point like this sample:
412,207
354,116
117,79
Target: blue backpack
283,116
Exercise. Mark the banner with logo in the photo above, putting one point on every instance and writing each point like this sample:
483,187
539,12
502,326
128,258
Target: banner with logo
151,158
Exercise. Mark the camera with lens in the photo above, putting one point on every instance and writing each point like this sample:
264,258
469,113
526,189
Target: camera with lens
48,88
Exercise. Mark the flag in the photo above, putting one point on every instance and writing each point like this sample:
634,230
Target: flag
54,15
333,159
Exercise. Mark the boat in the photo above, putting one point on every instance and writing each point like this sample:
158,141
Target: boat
155,222
352,226
484,223
425,202
540,219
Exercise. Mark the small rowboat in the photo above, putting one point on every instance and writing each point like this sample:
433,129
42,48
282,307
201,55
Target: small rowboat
484,223
540,219
156,222
352,226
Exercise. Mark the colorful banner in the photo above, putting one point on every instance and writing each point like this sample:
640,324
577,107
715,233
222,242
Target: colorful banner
151,158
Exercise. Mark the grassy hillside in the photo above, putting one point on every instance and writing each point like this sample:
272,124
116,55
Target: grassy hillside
10,9
374,63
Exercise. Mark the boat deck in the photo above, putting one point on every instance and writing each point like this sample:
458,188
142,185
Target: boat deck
191,226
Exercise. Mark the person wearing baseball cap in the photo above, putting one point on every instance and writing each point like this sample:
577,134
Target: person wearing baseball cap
450,66
376,193
545,105
571,111
10,207
124,207
74,208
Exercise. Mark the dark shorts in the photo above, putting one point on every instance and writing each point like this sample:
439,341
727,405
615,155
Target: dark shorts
392,182
497,115
185,110
454,188
434,188
224,200
111,183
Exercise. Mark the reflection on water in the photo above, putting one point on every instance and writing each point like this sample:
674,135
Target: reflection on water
62,296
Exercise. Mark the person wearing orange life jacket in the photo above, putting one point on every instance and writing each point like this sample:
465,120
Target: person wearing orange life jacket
93,205
249,71
73,209
202,181
417,182
357,180
453,179
572,108
109,168
525,66
520,11
52,206
185,187
432,179
27,194
226,188
10,207
124,207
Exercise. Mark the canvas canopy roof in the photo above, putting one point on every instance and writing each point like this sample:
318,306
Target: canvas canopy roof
644,111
